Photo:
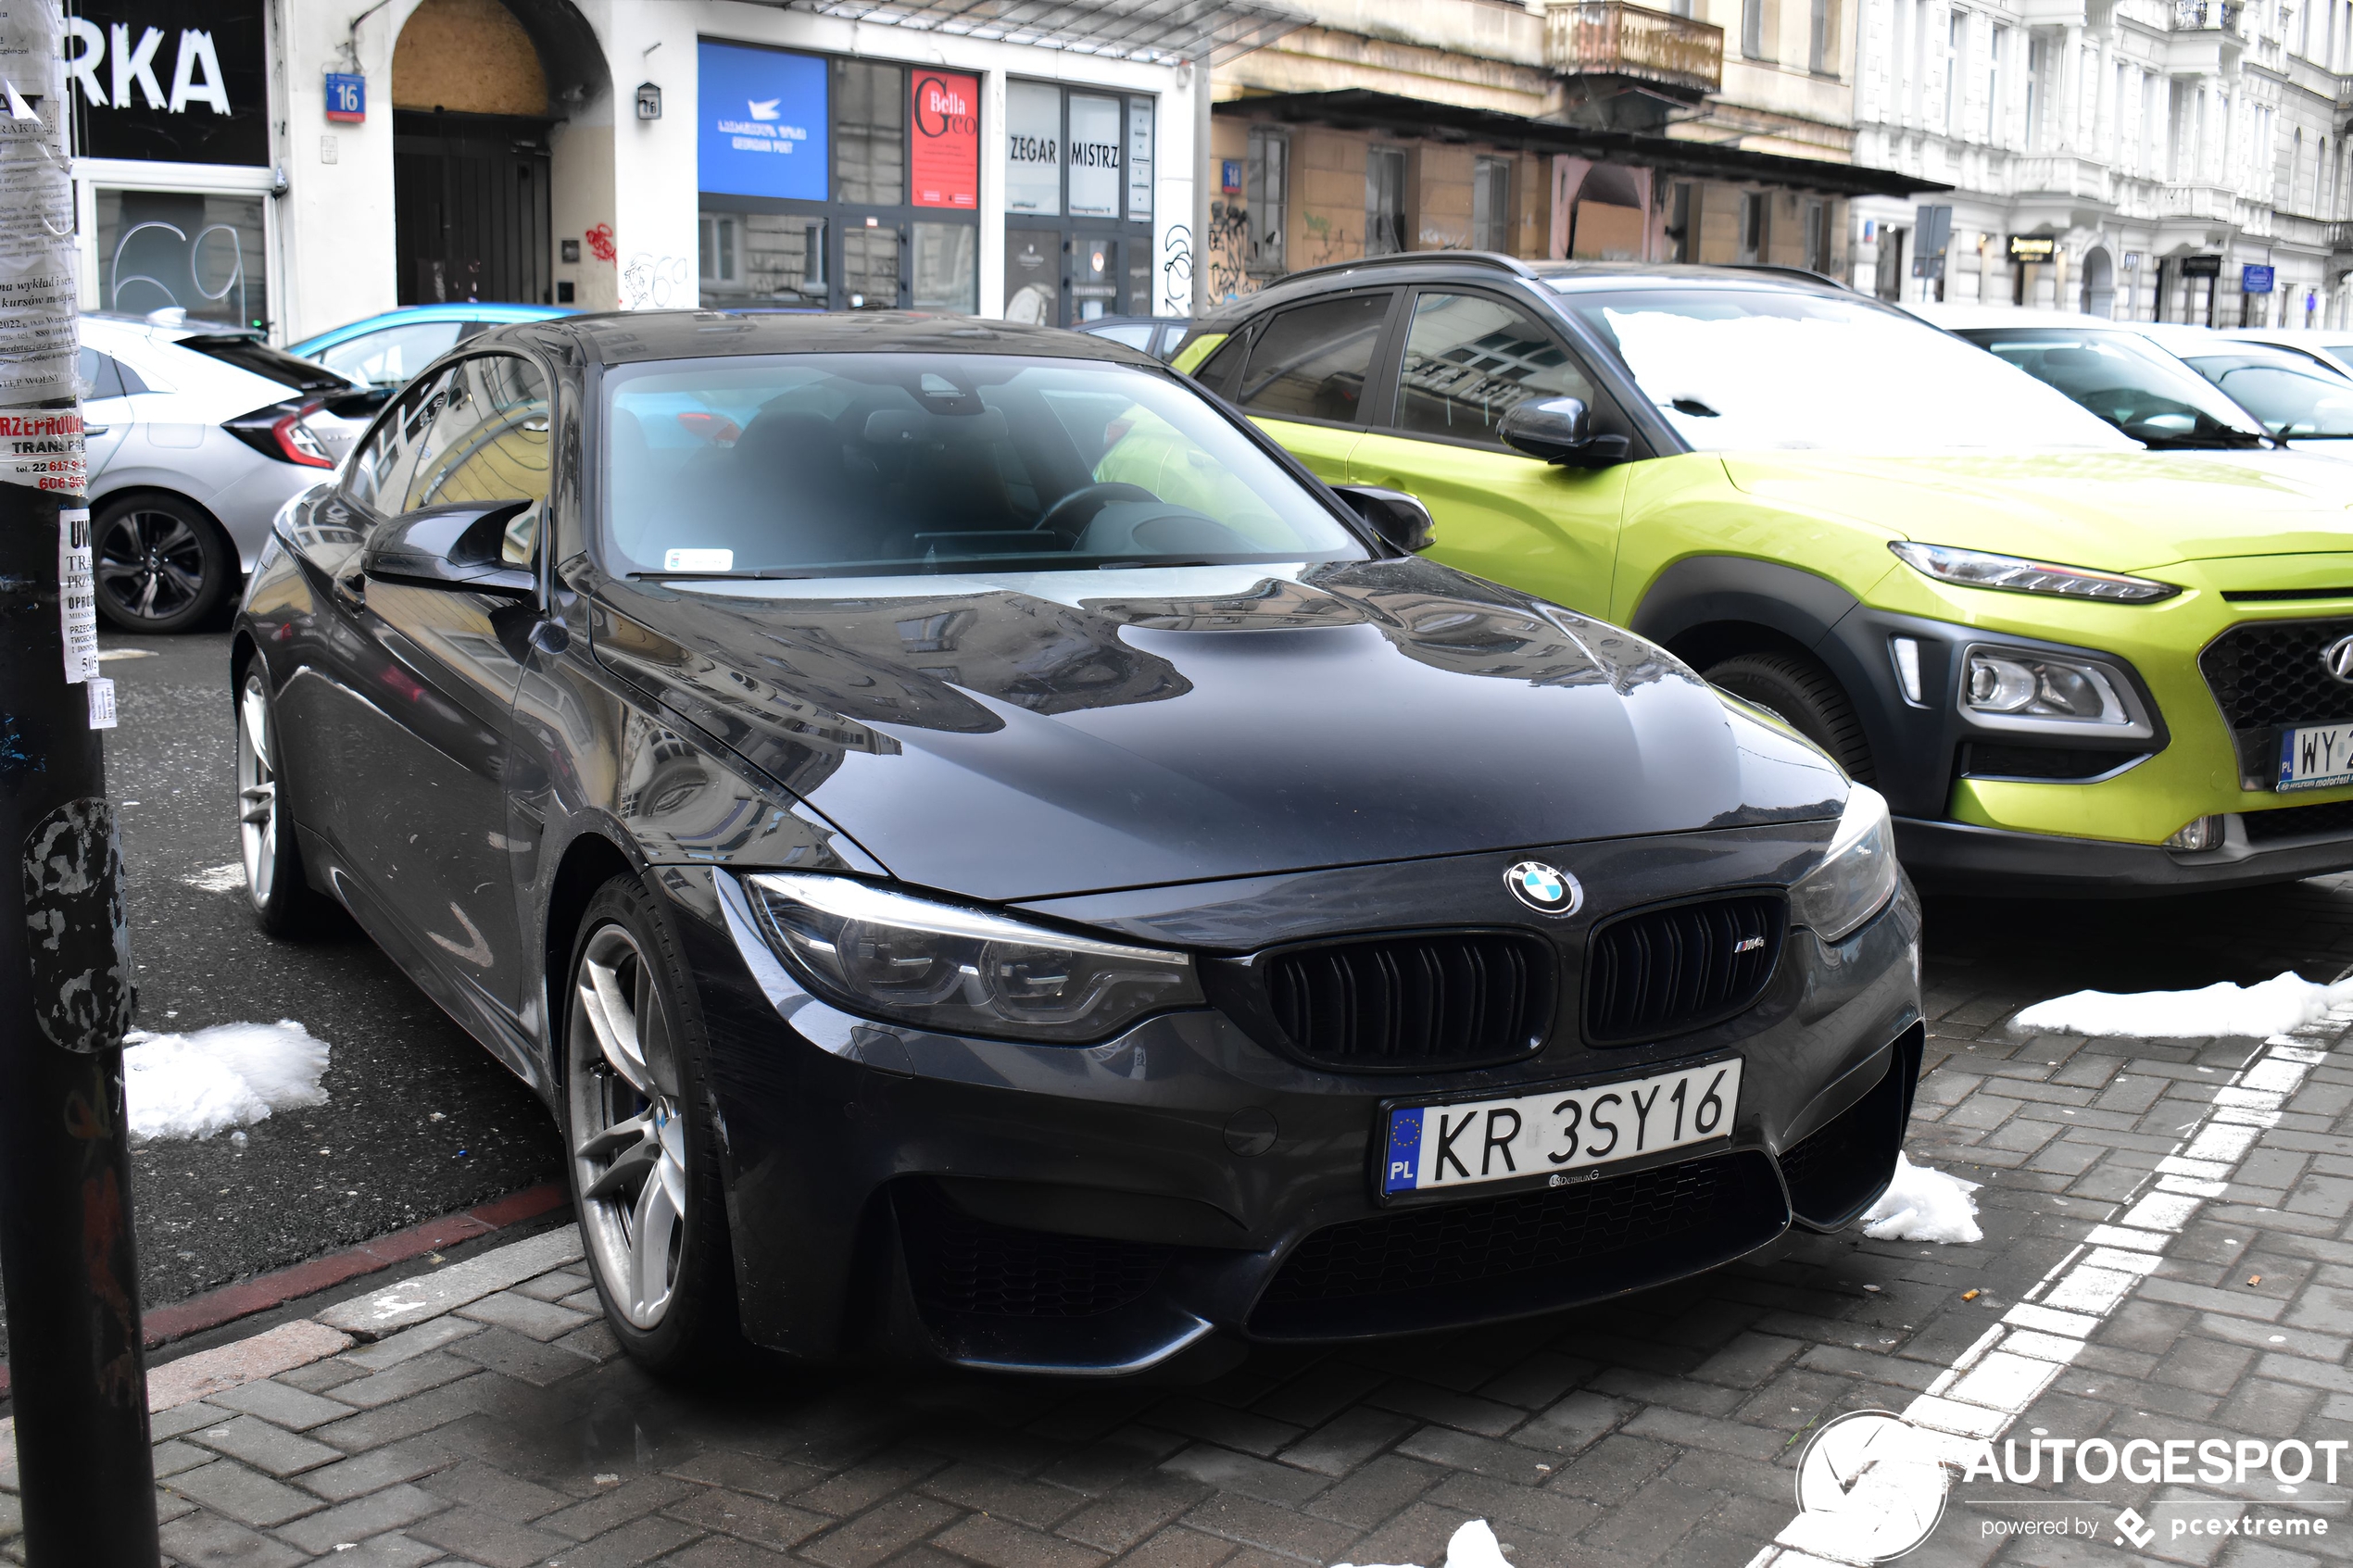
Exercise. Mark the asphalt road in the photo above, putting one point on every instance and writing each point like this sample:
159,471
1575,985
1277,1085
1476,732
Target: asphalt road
418,1122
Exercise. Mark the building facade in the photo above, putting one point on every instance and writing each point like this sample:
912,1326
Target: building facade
1715,131
292,166
2177,161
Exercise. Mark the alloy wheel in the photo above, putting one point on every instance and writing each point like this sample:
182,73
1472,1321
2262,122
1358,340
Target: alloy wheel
628,1124
256,793
149,564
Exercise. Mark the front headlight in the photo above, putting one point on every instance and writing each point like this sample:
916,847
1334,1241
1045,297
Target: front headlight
1981,568
961,971
1857,875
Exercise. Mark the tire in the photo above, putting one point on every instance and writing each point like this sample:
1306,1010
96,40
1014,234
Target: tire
162,565
642,1155
1797,689
278,892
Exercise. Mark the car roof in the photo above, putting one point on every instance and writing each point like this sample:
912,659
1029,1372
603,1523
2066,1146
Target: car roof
455,310
642,336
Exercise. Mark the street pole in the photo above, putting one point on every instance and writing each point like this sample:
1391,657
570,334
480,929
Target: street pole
76,1374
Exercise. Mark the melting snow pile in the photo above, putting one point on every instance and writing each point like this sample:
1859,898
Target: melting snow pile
218,878
1924,1205
1474,1546
193,1085
2275,1007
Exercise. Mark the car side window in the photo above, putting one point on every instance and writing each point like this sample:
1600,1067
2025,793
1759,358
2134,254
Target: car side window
101,375
381,469
1469,358
1223,368
489,442
1311,361
390,357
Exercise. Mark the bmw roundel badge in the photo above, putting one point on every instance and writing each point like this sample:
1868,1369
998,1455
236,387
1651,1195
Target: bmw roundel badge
1546,889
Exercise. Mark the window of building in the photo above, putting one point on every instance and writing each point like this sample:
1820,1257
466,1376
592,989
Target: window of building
1384,201
1682,210
1492,204
1818,237
1266,193
163,250
1955,32
2033,94
1756,225
1470,360
1753,28
1822,38
1997,44
1310,362
1078,186
848,184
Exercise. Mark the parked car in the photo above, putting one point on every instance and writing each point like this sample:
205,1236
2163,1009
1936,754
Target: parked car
2069,662
984,854
386,350
2332,348
2304,402
1155,335
196,437
2111,369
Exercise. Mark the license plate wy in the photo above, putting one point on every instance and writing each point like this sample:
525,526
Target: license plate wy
1555,1131
2316,756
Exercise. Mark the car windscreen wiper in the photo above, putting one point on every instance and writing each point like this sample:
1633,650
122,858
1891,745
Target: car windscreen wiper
770,574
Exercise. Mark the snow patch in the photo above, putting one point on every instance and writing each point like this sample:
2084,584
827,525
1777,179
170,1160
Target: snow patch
1923,1204
195,1084
2277,1005
1474,1546
218,878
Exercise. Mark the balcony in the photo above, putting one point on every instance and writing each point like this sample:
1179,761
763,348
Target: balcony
1674,56
2208,16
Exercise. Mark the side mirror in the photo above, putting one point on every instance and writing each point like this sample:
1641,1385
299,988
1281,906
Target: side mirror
453,546
1559,429
1398,518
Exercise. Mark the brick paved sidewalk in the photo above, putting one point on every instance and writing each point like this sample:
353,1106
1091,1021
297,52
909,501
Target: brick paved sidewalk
489,1421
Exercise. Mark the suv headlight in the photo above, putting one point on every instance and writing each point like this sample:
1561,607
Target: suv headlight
1981,568
2033,692
961,971
1857,875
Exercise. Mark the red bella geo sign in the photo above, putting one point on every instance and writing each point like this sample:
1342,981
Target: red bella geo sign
946,162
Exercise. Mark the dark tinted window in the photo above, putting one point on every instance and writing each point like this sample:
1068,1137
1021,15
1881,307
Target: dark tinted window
1222,368
1310,362
252,354
1469,358
2295,404
2125,380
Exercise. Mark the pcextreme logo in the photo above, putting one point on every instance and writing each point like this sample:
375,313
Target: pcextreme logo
1871,1487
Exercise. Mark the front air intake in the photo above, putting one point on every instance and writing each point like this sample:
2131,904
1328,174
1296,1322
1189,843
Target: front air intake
1664,972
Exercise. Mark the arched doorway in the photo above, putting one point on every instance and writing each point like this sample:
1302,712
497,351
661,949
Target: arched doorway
2099,283
480,94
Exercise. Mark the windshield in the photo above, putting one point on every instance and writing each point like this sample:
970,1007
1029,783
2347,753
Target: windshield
2293,403
1734,368
860,464
2133,384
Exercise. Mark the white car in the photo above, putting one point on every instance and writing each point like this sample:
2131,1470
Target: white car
196,437
2167,385
2331,347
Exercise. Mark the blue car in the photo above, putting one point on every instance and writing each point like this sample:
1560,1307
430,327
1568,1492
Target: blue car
386,350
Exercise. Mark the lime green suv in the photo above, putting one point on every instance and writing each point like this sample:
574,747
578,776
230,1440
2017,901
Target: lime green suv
2071,664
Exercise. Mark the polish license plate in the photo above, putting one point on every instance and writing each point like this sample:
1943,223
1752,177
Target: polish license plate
2316,756
1557,1131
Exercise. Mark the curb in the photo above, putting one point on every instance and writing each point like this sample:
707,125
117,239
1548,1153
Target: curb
259,1294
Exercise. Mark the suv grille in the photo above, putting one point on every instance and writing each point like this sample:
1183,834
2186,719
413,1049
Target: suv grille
2269,672
1666,972
2333,819
1449,1000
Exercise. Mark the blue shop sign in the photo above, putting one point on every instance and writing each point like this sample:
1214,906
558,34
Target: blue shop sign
2257,280
763,123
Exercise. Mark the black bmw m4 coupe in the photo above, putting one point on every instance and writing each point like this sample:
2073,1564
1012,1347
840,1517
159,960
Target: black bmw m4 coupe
986,858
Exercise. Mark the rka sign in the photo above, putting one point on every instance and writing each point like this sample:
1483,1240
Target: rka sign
144,84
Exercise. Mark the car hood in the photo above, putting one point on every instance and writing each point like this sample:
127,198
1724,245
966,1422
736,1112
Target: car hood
1028,736
2117,511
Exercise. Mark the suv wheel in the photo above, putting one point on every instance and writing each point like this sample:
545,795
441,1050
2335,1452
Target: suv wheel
1797,689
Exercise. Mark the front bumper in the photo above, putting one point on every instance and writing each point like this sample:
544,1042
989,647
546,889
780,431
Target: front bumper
1961,858
1095,1211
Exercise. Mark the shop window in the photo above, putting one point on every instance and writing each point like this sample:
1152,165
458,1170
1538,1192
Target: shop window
1384,201
171,250
1078,202
1311,361
834,183
1470,360
1266,193
1492,204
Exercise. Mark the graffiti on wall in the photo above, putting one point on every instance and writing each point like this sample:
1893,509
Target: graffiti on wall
1227,249
657,282
1177,270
